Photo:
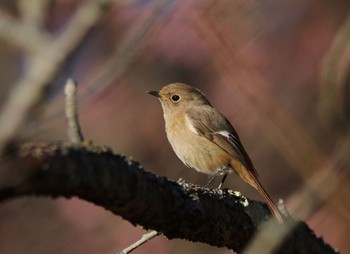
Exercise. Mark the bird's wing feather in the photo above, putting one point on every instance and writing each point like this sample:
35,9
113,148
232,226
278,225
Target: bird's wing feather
211,124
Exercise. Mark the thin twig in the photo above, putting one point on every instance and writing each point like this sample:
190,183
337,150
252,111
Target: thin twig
74,130
145,238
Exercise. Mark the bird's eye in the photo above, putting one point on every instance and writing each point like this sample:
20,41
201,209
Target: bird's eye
175,98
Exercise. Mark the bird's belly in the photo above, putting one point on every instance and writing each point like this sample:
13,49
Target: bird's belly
198,152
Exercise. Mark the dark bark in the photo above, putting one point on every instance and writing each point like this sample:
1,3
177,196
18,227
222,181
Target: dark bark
176,209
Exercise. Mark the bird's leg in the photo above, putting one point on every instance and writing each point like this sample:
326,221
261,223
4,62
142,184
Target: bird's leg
214,176
210,180
222,181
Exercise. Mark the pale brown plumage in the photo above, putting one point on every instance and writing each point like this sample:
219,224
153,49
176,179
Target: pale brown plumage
204,139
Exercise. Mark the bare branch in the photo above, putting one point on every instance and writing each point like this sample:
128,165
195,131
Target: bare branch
145,238
177,210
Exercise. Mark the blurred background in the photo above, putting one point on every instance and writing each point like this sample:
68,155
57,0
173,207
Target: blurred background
278,70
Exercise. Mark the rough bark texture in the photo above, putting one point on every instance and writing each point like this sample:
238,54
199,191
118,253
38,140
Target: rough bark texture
176,209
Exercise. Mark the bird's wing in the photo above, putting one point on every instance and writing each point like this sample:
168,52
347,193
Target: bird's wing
208,122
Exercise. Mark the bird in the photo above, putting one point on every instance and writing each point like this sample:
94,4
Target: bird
203,139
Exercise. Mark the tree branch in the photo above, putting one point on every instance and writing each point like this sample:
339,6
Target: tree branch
177,210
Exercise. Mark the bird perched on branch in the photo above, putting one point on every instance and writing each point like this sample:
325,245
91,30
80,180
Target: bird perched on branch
204,139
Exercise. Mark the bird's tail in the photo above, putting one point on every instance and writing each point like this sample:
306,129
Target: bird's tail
273,208
251,177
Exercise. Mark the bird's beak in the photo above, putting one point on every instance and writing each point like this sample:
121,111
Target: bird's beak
154,93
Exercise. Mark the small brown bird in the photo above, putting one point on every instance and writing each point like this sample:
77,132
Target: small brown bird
204,139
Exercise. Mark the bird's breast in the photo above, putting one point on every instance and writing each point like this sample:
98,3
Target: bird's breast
195,150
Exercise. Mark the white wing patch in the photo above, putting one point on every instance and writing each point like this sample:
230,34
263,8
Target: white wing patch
226,134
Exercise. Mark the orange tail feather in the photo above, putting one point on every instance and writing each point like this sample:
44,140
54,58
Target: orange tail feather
251,177
268,200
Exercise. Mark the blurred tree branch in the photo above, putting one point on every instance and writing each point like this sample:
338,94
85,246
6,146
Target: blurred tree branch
334,89
177,210
43,66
